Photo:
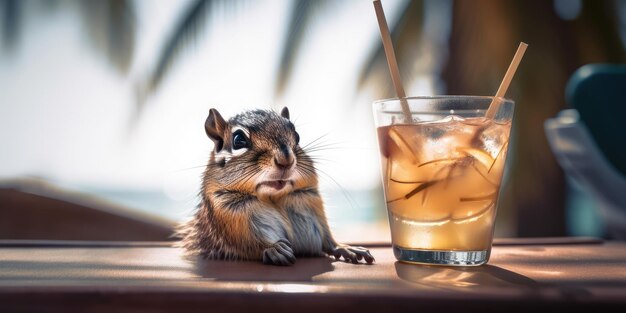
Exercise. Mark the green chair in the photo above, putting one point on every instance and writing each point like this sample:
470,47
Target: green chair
589,141
598,92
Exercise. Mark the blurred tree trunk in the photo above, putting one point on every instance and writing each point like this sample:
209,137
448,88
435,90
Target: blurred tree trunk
485,34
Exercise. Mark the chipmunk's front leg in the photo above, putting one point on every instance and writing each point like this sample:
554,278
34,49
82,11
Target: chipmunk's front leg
279,253
329,245
272,228
251,230
350,253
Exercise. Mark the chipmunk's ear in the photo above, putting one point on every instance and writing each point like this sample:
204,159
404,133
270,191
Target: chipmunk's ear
215,126
285,113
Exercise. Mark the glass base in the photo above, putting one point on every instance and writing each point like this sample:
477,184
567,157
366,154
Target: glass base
441,257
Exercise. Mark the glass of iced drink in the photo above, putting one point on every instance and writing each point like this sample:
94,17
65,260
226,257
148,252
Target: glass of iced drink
442,172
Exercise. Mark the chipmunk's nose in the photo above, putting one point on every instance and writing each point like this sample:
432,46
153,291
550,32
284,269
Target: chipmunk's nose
284,158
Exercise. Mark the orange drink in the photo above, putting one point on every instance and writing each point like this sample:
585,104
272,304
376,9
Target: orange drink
441,176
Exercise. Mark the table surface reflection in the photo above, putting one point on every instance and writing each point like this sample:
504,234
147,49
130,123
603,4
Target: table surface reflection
521,275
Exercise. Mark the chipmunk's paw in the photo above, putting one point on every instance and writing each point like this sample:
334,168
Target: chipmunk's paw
352,254
280,253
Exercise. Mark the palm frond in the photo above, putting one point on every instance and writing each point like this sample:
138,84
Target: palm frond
111,27
405,34
11,12
121,33
301,14
186,30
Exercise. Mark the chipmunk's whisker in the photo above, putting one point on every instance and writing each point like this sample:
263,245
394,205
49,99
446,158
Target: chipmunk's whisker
246,172
246,168
318,145
308,168
249,174
323,147
305,166
345,193
189,168
321,143
315,140
317,158
321,160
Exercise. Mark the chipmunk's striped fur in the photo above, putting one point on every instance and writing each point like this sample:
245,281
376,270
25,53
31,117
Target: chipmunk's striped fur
259,198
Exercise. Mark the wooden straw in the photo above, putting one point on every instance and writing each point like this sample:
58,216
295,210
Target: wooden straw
391,61
504,85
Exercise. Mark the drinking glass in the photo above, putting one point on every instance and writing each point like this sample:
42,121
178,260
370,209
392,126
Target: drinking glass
442,172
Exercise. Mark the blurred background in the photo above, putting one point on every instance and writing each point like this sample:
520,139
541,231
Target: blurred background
102,103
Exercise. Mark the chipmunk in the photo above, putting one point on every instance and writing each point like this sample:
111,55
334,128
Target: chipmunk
259,197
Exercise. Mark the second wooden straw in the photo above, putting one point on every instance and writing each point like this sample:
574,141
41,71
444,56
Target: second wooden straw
506,81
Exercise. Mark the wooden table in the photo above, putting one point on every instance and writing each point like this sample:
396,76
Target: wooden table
118,277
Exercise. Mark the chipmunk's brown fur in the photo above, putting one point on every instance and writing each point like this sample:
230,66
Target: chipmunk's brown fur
259,198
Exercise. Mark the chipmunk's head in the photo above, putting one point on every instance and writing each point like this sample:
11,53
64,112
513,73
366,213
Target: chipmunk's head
258,152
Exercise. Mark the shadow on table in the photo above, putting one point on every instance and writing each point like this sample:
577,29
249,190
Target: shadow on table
304,270
474,279
455,278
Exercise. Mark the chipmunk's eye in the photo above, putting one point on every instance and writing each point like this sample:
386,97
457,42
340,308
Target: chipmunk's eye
240,140
297,138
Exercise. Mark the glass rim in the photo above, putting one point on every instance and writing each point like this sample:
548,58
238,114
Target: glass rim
442,97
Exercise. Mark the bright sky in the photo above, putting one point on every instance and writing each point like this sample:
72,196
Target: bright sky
65,115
